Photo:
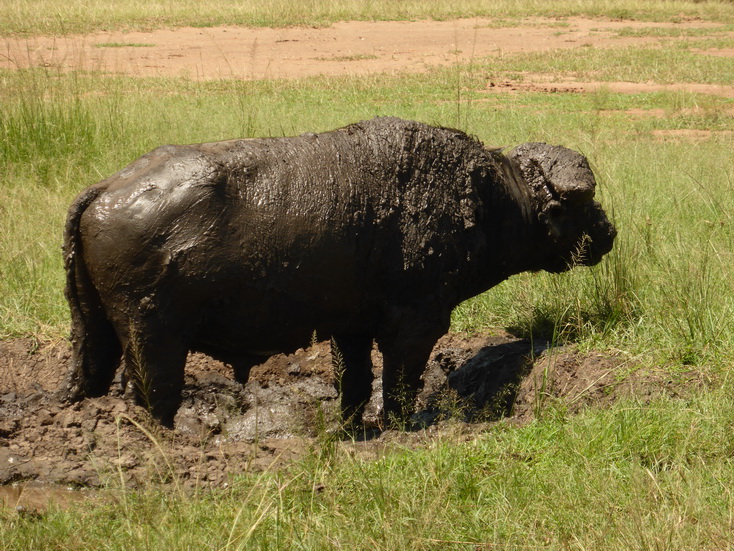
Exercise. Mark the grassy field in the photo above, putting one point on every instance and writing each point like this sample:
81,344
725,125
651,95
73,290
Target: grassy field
653,476
26,17
666,289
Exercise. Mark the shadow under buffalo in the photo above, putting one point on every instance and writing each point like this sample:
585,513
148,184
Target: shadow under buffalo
481,388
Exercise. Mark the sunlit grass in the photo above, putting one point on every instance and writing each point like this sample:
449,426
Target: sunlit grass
664,290
46,17
634,476
663,64
123,45
670,32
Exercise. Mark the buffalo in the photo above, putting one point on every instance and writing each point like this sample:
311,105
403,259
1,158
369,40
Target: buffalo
246,248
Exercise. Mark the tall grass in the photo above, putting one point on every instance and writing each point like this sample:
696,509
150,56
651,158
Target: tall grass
51,138
664,291
666,63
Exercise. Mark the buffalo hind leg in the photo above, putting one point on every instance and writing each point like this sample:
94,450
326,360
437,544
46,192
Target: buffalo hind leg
154,364
353,374
96,355
403,363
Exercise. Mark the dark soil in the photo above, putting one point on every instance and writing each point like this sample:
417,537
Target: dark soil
224,428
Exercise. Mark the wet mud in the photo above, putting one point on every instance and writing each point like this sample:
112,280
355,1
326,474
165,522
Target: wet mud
279,416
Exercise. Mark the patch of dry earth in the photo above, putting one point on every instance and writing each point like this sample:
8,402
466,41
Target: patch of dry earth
345,48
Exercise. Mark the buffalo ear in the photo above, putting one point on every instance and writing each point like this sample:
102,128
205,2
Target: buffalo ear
552,218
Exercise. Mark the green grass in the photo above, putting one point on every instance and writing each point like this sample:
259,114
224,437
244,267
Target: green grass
661,32
356,57
655,476
671,200
669,62
23,17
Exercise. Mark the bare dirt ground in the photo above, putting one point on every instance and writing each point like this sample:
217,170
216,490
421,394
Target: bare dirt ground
346,48
290,404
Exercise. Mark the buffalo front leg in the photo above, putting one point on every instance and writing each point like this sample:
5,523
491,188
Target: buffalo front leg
403,363
154,364
353,374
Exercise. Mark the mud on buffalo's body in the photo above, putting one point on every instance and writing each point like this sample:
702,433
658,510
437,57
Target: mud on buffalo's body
373,232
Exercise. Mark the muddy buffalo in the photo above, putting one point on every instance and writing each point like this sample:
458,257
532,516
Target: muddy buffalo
373,232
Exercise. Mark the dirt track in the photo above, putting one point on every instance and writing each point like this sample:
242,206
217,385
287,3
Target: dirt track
346,48
224,428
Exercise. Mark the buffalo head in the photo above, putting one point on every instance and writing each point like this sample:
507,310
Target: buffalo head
574,228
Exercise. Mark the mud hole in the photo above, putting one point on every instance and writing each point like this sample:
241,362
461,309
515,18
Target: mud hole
224,428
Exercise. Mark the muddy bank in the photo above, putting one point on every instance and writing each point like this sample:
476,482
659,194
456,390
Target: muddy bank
224,428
